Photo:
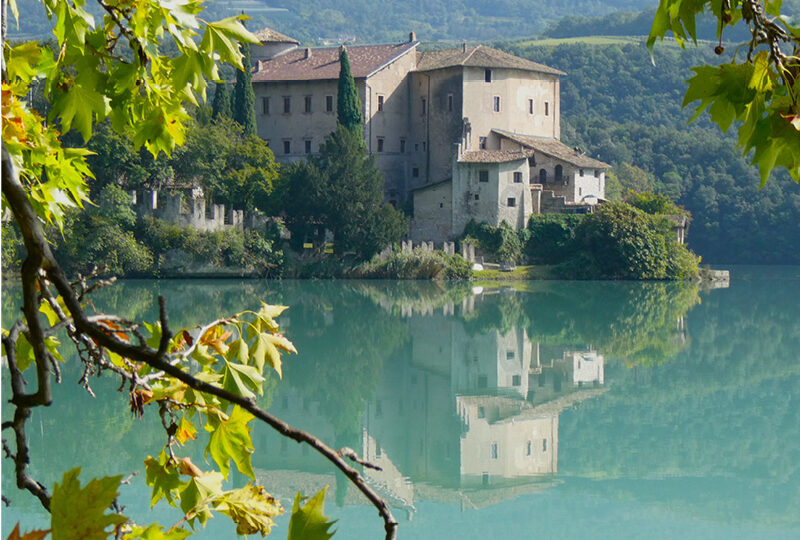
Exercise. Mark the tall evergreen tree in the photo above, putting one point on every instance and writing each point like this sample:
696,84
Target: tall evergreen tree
221,105
244,110
349,105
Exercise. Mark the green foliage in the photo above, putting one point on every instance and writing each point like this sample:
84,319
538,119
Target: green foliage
418,264
342,190
79,513
234,168
348,111
733,221
243,106
502,243
13,248
308,521
761,93
551,238
619,241
221,105
103,235
654,203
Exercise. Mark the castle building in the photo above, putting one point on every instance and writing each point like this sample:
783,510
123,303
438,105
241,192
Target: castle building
467,133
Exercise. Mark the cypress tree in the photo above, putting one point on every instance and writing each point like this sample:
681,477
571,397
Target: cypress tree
349,105
244,110
221,105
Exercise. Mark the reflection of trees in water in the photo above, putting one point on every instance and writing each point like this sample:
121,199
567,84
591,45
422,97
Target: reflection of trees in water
724,413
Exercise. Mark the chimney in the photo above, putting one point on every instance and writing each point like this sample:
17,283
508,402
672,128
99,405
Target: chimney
308,53
464,47
412,37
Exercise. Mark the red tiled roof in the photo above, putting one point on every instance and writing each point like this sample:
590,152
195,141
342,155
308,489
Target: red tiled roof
554,148
268,35
479,56
493,156
323,63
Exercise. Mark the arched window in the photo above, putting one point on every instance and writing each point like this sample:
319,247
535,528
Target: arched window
559,173
542,176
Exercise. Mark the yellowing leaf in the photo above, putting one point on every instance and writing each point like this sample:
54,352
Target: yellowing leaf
33,535
308,522
155,532
251,508
231,440
186,431
78,513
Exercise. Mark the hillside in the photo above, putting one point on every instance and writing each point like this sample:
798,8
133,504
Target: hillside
627,112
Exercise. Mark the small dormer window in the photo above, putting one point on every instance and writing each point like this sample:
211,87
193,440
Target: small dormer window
487,75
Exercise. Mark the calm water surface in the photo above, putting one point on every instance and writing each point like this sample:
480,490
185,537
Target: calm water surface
562,410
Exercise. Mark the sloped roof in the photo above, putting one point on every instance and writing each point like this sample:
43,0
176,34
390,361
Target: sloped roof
323,63
479,56
555,149
268,35
493,156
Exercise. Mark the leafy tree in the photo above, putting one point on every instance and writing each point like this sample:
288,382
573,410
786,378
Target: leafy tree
222,101
342,190
760,93
210,374
654,203
244,100
348,111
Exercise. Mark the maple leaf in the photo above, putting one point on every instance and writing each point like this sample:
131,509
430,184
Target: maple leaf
309,522
33,535
78,513
231,440
251,508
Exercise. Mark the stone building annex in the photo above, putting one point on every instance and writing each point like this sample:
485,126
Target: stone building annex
467,133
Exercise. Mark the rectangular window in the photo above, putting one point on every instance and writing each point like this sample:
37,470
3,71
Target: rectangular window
424,106
287,147
483,381
481,412
483,176
544,445
516,380
547,108
530,106
307,104
380,144
581,171
509,355
496,104
380,103
597,173
424,146
517,177
530,445
287,104
402,146
487,75
264,105
450,102
415,172
307,146
482,143
494,450
512,202
477,197
328,103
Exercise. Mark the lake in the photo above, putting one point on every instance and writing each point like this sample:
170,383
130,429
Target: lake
564,410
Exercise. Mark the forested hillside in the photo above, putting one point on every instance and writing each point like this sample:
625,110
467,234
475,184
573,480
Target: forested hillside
627,112
384,20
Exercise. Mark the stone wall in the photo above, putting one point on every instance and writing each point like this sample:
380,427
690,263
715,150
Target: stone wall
187,209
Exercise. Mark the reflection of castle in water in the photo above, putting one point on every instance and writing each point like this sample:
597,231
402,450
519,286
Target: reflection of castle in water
465,416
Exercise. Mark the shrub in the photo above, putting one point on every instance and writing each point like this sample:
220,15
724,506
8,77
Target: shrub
418,264
551,237
501,243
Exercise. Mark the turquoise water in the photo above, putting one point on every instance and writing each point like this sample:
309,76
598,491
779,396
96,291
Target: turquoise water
555,410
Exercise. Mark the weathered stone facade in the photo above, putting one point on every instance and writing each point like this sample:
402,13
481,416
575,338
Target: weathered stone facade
437,122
